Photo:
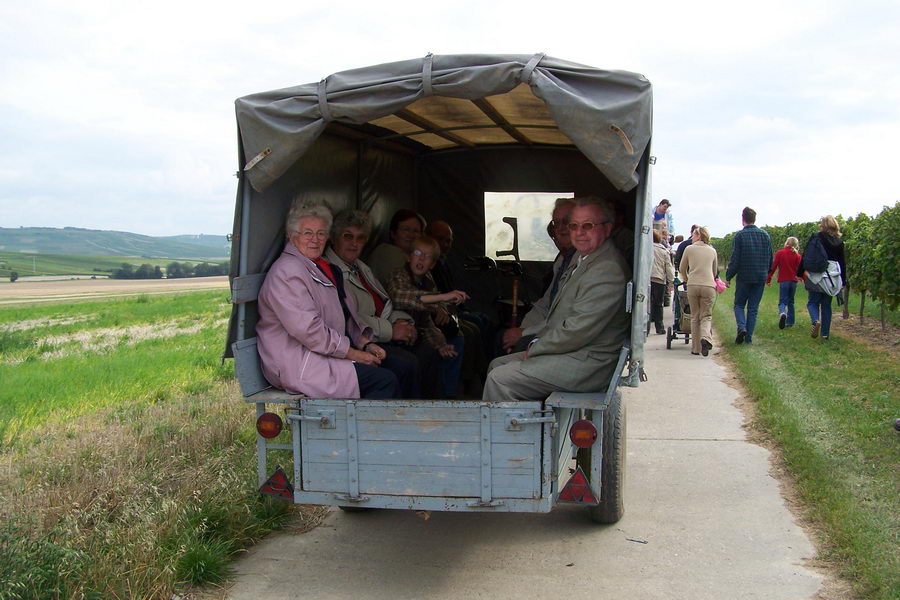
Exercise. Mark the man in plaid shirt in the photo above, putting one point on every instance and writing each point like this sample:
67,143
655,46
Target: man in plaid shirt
751,257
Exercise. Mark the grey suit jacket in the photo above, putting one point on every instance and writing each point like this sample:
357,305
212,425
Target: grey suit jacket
587,326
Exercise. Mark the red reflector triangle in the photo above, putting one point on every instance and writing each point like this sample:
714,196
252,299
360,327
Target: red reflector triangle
578,489
278,486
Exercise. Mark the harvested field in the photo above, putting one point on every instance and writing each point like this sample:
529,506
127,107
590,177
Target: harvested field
73,289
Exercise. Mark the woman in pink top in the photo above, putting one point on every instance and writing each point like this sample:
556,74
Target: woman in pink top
309,338
786,261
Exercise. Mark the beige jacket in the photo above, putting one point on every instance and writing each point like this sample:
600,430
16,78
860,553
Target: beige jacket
662,270
383,326
699,264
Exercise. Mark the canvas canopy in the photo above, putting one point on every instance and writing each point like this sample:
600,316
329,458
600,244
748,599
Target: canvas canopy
435,134
442,102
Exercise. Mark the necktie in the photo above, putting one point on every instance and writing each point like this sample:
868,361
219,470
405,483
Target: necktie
562,269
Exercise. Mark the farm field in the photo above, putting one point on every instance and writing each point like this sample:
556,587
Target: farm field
75,264
126,453
81,289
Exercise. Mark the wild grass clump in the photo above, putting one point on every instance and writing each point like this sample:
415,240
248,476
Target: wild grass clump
136,504
127,459
830,406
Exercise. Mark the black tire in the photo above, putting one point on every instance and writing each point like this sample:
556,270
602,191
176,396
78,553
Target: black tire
669,338
612,472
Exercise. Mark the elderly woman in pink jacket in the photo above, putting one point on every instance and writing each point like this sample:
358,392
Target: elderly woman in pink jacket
309,338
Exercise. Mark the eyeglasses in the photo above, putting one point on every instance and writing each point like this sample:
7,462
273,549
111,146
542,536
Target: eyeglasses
586,226
427,255
308,234
359,237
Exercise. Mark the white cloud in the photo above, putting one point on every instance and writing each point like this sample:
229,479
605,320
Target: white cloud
120,115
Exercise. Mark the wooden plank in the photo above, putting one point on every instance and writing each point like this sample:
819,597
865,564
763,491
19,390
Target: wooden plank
418,480
517,456
420,121
497,118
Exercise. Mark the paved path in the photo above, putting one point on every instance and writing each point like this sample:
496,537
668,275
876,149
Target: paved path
703,520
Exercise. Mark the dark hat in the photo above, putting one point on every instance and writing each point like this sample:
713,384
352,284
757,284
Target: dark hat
666,202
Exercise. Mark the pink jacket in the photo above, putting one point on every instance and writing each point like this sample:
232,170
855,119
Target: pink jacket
300,333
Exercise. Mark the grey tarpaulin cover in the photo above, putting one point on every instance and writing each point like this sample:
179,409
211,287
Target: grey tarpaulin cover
606,114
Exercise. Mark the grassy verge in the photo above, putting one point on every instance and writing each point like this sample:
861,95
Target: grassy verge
830,407
111,488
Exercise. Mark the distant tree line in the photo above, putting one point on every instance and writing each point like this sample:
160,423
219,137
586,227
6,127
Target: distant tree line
174,270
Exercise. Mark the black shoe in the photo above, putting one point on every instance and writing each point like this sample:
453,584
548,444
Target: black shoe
660,331
782,321
695,353
705,347
742,333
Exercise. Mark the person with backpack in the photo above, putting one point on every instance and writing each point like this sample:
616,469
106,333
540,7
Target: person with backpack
825,274
786,261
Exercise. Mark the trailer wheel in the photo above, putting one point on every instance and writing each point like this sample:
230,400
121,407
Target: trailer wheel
612,472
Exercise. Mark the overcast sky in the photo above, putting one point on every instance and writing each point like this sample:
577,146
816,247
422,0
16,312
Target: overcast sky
120,115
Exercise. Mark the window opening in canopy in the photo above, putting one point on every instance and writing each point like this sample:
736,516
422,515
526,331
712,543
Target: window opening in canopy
533,213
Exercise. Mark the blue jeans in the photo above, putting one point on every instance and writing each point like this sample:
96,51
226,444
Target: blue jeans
451,367
749,295
819,306
786,291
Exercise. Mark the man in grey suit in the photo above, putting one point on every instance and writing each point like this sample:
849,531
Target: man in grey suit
587,325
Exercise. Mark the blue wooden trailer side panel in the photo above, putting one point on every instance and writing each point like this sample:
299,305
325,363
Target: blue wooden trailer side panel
430,455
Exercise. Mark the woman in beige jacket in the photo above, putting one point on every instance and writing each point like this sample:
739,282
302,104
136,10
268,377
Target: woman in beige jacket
699,265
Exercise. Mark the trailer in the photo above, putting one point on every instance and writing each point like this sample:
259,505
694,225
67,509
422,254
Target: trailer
436,134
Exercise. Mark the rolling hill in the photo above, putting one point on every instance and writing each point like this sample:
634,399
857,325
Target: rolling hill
73,240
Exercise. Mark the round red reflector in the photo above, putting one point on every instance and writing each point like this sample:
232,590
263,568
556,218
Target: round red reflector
583,434
269,425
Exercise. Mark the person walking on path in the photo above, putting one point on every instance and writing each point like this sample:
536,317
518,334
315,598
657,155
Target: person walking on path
819,303
699,265
751,256
787,260
662,277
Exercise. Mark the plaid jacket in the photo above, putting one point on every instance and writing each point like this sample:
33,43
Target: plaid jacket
405,295
751,256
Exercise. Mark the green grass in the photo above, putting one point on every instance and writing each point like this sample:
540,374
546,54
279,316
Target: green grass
91,355
830,407
75,264
127,470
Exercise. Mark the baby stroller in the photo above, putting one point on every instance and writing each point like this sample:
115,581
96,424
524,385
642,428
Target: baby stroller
682,310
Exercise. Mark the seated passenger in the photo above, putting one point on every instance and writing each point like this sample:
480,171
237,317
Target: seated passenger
309,339
578,348
476,328
406,225
412,289
394,330
516,339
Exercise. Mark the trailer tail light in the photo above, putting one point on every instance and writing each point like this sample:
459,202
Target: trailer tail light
269,425
583,434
